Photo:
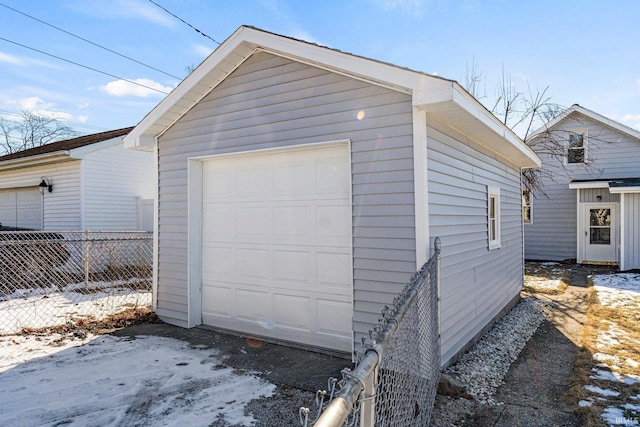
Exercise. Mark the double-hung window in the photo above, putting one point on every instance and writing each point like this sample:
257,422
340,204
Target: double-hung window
493,210
577,147
526,207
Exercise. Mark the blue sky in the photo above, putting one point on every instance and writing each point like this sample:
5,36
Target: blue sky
586,51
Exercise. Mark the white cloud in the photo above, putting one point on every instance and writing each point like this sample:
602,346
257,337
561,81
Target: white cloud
128,9
10,59
202,50
36,105
124,88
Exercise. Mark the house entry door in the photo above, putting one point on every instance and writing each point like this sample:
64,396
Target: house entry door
600,233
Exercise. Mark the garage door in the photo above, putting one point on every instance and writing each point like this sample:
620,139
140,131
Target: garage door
21,207
277,245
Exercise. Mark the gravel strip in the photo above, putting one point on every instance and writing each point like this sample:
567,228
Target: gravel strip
482,369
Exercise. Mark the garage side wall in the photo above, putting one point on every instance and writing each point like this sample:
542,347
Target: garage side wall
115,180
271,102
477,284
62,206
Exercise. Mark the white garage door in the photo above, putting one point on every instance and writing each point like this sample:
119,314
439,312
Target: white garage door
21,207
277,245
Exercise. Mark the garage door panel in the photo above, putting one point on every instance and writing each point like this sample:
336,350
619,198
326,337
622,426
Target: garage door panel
220,223
218,300
332,316
21,207
252,304
292,311
292,223
252,181
333,177
333,271
253,263
286,227
217,262
253,224
292,266
333,225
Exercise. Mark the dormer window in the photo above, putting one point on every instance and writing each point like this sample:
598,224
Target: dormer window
577,147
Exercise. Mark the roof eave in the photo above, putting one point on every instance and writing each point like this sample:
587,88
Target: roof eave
37,160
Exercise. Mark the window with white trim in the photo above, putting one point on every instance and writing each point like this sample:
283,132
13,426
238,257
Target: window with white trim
577,147
493,217
527,207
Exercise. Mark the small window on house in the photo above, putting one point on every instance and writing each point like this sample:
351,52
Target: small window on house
526,207
494,217
577,148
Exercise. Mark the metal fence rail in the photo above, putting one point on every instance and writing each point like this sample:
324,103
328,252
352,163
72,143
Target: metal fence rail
396,375
50,277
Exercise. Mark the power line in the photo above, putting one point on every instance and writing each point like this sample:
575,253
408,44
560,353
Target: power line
185,22
89,41
82,125
85,66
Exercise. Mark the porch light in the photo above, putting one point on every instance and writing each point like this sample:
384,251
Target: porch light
45,185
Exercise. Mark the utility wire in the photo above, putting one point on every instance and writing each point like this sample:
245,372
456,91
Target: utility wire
10,113
85,66
89,41
185,22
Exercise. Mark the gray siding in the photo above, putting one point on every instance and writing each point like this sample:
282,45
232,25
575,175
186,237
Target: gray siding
274,102
610,154
632,231
476,283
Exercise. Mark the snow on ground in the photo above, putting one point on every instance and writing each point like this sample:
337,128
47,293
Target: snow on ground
45,307
620,292
544,277
110,381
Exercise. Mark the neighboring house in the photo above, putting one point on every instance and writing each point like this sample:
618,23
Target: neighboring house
590,209
301,187
95,185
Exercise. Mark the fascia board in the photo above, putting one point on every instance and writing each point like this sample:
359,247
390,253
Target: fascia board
38,160
589,184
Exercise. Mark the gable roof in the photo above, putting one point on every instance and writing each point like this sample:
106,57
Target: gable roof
577,109
444,99
59,150
67,144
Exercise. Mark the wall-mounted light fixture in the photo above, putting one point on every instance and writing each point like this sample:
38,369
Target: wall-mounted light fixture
45,185
599,198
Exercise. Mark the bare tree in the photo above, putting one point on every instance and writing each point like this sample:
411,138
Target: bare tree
33,129
523,112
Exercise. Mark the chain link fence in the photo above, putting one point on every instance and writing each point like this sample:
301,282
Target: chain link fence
48,278
397,369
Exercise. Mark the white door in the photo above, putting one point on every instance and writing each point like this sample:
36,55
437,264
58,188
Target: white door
21,207
276,245
599,233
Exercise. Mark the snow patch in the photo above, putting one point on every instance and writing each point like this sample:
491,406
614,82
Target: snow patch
118,381
603,392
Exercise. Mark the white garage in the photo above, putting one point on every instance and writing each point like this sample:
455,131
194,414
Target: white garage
276,244
21,207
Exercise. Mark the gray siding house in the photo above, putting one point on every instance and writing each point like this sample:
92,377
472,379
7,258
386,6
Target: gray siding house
590,209
300,187
96,185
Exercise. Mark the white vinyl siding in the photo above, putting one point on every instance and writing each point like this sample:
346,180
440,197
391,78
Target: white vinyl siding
115,180
477,283
631,231
611,154
273,102
62,206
